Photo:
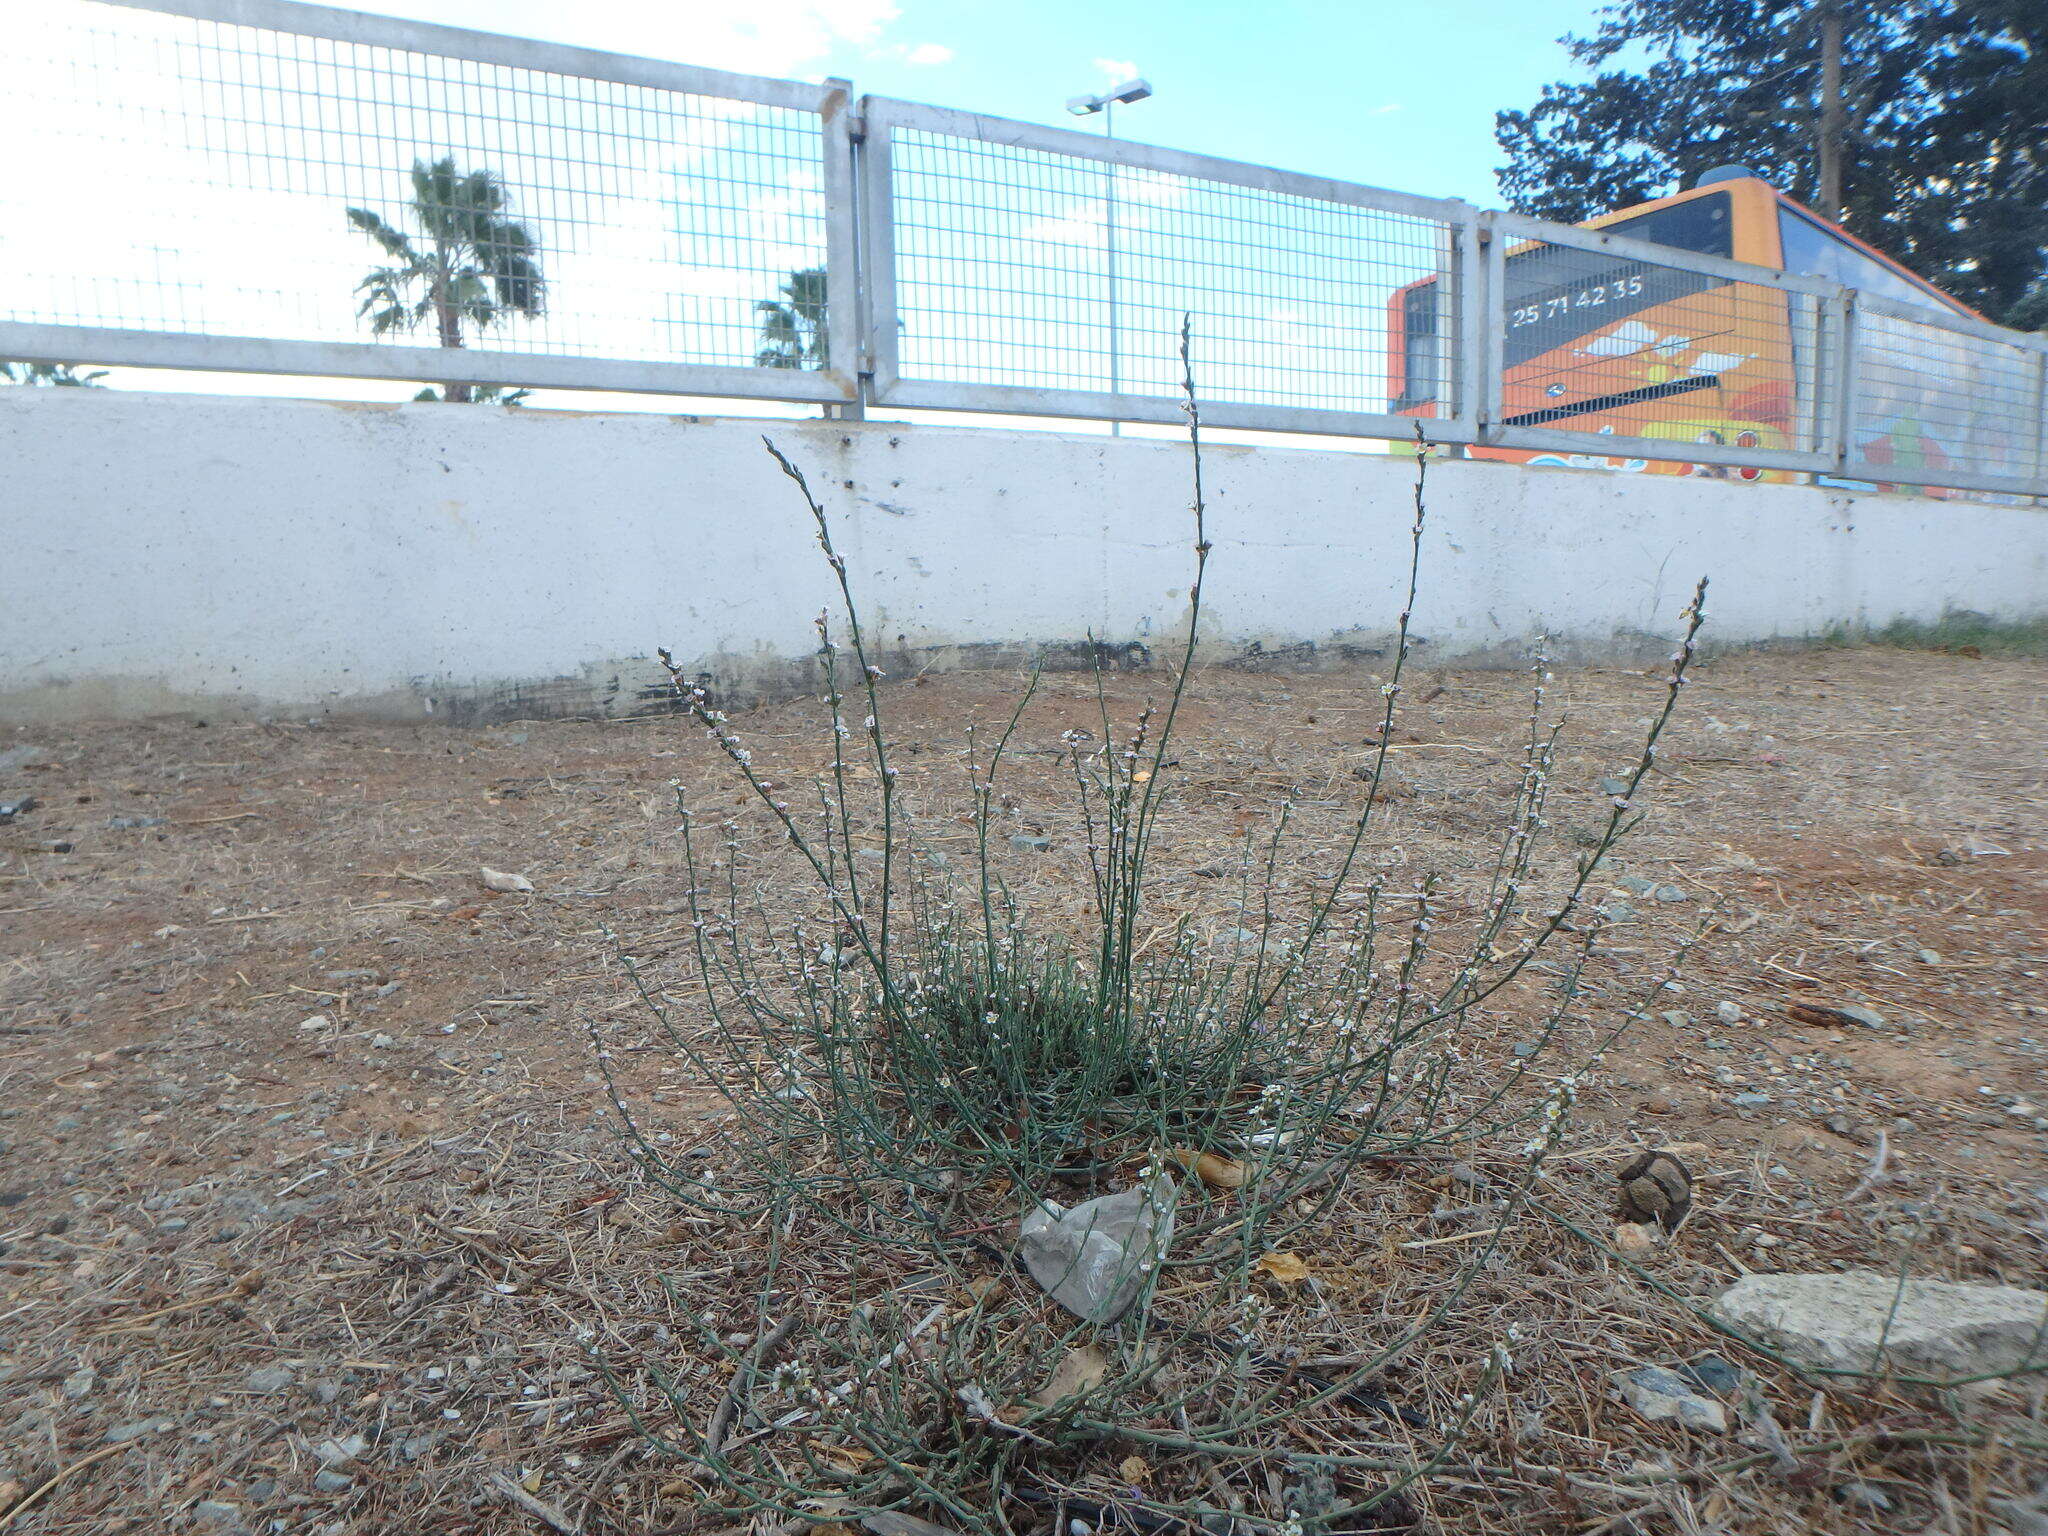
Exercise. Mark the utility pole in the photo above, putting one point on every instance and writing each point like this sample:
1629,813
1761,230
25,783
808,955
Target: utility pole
1832,116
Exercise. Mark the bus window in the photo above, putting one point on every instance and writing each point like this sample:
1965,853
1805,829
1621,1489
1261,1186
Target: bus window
1819,252
1421,348
1704,224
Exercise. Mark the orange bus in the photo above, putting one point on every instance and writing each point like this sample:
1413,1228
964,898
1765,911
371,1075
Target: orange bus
1606,345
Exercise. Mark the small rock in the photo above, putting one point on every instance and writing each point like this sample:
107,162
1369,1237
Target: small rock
1928,956
80,1382
1727,1012
1671,893
1636,885
382,1041
1617,912
217,1513
1869,1018
329,1481
1635,1238
1524,1049
498,880
1750,1100
262,1491
1613,786
1930,1328
121,1434
271,1379
1659,1394
339,1453
21,805
1024,842
1864,1496
131,823
1677,1018
1711,1373
1842,1126
173,1224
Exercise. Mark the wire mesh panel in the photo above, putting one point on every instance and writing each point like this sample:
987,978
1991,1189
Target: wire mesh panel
337,179
1611,351
1934,404
1033,265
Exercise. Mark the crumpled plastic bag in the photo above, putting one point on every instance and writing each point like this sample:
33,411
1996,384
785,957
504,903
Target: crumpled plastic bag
1095,1258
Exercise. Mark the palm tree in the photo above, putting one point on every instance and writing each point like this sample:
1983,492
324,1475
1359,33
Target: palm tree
793,326
470,264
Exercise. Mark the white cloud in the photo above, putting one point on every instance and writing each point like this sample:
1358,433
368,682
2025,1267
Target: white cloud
1384,109
1116,71
929,53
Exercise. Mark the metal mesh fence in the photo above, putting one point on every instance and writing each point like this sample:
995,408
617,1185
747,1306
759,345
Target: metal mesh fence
197,177
277,190
1930,400
1024,267
1612,345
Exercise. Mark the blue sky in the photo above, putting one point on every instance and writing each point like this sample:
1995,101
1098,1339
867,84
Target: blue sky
1398,95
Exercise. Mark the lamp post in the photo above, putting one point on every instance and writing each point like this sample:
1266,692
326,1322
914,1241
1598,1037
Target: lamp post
1106,104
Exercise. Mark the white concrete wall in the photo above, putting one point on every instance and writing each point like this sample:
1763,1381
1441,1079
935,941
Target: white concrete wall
162,553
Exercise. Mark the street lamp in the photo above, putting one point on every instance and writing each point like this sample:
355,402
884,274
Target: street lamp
1085,106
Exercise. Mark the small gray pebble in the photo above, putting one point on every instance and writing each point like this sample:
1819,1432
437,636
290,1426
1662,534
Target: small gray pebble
121,1434
271,1378
329,1481
1024,842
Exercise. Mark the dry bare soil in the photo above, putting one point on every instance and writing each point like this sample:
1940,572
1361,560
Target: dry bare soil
307,1222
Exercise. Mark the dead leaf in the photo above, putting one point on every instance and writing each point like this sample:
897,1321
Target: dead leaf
851,1456
1135,1470
1078,1370
1286,1268
498,880
981,1287
1818,1013
1215,1171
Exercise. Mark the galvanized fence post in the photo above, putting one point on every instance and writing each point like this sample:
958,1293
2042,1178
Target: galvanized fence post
837,123
880,326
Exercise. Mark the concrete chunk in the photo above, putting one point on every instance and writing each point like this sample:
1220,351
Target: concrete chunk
1936,1328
